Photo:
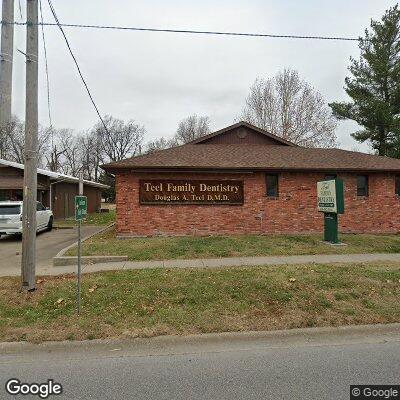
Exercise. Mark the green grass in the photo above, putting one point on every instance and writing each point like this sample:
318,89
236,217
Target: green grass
163,248
185,301
92,219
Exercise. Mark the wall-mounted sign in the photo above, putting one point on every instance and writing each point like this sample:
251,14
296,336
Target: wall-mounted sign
205,192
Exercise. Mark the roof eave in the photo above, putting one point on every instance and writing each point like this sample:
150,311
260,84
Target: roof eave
153,169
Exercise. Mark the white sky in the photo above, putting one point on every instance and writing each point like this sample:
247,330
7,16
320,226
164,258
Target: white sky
159,78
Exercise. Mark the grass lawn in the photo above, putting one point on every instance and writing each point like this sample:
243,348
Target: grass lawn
92,219
161,301
164,248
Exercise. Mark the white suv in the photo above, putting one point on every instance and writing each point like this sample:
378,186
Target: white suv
11,218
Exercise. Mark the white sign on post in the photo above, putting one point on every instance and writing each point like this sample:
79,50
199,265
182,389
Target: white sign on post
326,192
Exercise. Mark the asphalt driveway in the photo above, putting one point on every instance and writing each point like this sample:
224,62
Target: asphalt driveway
48,244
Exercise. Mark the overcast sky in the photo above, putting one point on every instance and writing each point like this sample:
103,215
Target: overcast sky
159,78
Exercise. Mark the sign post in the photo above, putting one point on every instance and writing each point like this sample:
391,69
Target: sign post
80,214
331,202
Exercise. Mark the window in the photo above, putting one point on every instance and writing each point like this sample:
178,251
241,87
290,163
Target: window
39,207
10,210
271,181
397,185
362,185
329,177
4,195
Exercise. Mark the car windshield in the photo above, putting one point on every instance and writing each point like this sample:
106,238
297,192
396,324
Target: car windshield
10,210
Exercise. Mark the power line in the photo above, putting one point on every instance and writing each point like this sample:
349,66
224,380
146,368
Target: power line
196,32
76,62
47,72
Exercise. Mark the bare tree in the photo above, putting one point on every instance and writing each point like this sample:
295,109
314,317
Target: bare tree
160,144
4,142
88,144
120,140
69,153
92,154
43,144
54,152
54,158
61,150
17,142
71,160
191,128
5,133
289,107
98,156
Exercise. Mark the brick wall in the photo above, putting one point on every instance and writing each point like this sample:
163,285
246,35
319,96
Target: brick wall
293,212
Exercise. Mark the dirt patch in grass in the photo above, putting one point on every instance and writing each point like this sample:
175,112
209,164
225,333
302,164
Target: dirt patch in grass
231,246
160,301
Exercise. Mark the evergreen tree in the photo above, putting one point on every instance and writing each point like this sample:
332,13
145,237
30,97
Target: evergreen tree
375,86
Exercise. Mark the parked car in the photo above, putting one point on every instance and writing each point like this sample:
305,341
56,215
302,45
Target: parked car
11,218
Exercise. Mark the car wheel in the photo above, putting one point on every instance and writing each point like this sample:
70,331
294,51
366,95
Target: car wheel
50,224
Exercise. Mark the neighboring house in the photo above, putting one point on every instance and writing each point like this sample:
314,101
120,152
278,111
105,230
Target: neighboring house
242,179
55,190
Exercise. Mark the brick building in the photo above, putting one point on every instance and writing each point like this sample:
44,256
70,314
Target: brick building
242,179
56,191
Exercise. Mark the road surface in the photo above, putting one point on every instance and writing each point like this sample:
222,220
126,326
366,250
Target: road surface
252,369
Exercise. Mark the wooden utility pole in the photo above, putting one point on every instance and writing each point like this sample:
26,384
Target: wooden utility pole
6,62
31,150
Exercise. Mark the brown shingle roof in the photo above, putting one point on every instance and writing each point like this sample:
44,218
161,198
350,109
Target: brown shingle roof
257,157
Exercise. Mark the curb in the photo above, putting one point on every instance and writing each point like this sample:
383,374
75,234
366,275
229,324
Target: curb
64,261
64,250
278,338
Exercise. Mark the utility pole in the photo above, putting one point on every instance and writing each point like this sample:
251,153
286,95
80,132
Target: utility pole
31,150
6,62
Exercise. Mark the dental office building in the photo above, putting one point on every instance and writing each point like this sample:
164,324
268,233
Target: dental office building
243,180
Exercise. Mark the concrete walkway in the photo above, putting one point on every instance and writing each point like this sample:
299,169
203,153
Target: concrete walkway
216,263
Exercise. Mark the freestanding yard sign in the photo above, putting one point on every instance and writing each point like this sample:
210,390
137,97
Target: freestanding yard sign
80,214
331,202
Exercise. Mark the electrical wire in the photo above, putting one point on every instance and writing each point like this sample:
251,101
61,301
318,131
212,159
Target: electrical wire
76,63
196,32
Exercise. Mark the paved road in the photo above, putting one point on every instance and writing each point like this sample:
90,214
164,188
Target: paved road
293,368
48,245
